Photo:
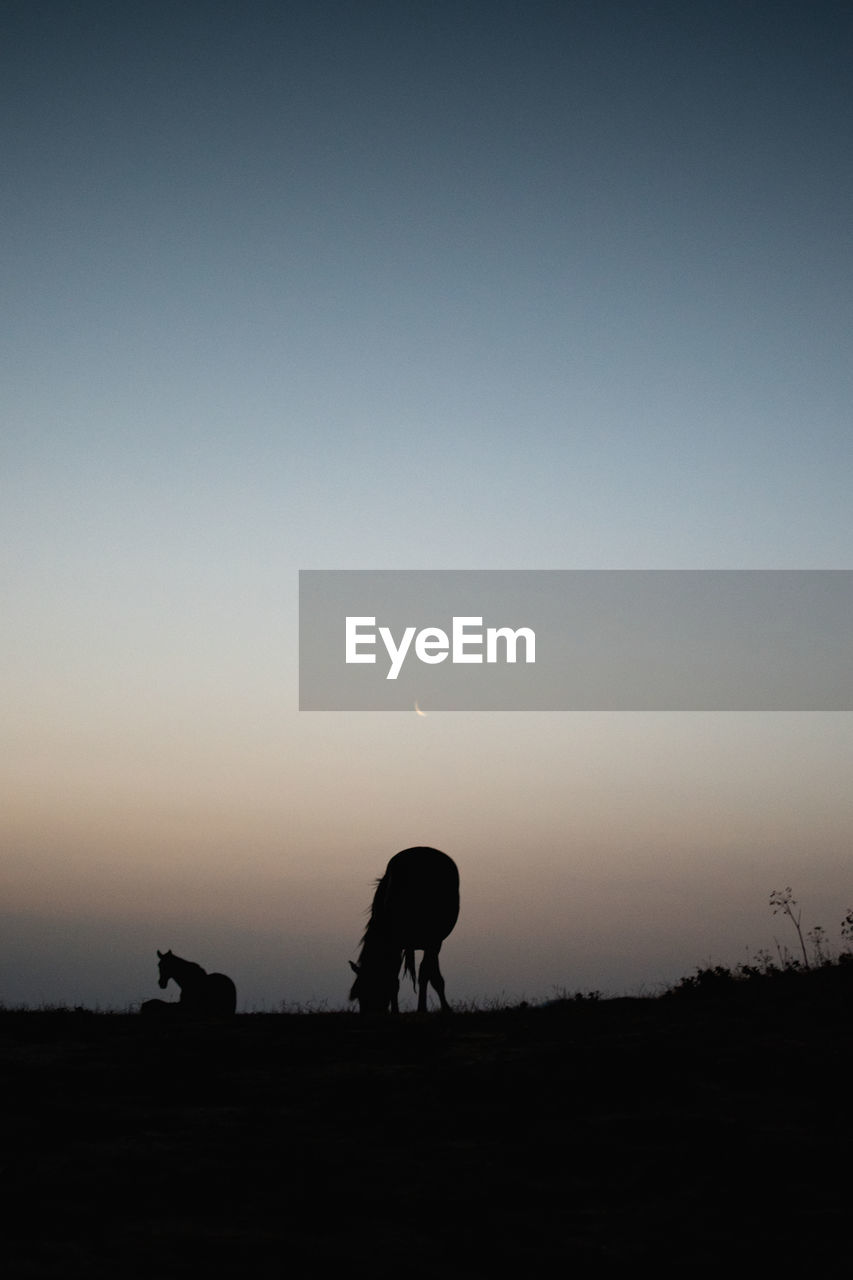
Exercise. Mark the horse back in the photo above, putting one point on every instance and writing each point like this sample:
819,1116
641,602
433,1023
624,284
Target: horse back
213,996
417,900
222,993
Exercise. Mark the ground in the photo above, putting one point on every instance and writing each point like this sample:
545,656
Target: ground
689,1129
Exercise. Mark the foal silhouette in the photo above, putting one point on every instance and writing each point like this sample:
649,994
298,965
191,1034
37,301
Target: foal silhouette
207,995
415,906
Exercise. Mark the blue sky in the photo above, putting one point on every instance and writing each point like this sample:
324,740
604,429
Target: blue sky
446,285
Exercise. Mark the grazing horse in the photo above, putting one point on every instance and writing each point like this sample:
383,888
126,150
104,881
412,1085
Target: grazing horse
209,995
415,906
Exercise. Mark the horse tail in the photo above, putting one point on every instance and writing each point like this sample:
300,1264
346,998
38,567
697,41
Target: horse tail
410,966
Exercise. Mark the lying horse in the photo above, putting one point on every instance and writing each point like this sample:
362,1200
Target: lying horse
205,995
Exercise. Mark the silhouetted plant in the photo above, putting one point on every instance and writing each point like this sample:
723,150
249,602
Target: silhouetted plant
786,961
783,900
764,963
715,979
847,929
820,950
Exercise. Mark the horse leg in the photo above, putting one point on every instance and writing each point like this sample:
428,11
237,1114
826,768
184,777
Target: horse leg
430,972
422,984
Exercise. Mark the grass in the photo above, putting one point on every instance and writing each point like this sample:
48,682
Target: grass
684,1129
681,1128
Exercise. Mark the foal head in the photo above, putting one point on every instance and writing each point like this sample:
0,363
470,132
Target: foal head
165,966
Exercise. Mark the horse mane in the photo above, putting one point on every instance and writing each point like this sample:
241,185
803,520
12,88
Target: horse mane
188,967
373,928
372,912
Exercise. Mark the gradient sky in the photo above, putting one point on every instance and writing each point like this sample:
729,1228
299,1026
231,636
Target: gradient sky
424,286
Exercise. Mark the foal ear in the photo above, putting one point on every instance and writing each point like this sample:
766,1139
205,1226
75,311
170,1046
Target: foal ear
353,966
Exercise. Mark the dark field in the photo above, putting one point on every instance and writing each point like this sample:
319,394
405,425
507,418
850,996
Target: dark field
709,1127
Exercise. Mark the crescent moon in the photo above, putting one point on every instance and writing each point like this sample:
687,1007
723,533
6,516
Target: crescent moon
418,710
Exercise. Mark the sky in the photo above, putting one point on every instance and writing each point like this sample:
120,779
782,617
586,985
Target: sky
446,285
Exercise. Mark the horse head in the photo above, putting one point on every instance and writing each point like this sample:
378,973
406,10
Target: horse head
376,987
164,957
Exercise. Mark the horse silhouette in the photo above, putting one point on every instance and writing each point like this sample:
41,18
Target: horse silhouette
415,906
209,995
